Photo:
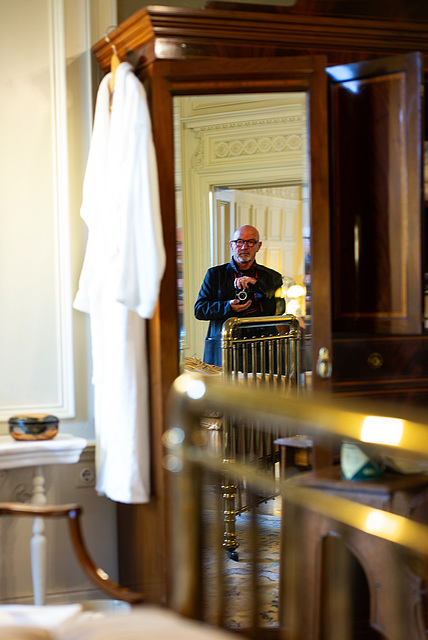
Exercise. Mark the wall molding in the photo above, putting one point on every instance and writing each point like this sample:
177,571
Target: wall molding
41,380
61,199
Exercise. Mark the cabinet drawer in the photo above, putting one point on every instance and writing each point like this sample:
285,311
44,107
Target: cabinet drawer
388,369
395,358
392,370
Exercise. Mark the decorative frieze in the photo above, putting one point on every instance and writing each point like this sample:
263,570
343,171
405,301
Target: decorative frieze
219,142
261,145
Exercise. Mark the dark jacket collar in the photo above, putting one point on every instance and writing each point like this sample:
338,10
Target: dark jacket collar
246,272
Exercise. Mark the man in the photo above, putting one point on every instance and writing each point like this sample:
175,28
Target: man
224,285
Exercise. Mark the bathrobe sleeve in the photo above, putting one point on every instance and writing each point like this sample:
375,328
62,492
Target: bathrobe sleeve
141,254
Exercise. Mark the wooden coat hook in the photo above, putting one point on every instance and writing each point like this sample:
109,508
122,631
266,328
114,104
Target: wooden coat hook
114,62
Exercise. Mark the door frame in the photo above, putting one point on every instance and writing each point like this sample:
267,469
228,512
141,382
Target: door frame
169,78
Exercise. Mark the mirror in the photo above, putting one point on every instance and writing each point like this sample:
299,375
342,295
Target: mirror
242,159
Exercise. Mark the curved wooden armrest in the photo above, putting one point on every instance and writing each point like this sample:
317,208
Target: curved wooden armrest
35,510
73,513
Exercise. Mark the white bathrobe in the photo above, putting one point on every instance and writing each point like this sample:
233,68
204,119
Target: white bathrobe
120,279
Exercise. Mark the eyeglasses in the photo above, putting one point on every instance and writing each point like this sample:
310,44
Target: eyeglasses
250,243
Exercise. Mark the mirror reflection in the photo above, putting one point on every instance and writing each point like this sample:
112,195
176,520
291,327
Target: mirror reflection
242,159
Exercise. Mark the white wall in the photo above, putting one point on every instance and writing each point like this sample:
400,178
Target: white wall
45,364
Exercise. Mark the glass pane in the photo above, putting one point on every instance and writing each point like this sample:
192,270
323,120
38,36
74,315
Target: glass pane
241,159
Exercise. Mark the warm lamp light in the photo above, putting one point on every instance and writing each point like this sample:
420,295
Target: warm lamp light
296,291
292,293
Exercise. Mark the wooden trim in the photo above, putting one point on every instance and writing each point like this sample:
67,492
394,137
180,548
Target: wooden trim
179,32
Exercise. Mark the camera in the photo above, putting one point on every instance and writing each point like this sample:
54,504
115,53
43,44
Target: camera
243,295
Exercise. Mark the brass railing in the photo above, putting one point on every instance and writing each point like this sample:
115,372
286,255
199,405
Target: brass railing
195,470
256,351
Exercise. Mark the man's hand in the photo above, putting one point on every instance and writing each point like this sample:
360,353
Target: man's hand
244,281
237,306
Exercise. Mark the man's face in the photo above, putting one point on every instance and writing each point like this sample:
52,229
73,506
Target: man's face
244,255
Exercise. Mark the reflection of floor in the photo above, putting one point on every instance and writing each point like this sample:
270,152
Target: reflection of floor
237,584
237,575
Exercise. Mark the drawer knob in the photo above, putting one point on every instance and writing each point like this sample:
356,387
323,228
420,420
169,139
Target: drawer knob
375,360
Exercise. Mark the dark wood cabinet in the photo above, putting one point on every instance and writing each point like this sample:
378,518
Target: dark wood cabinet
365,183
376,163
376,142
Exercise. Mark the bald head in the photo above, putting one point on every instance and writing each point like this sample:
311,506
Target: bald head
244,246
246,232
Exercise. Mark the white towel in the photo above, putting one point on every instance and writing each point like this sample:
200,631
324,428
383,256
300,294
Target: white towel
119,284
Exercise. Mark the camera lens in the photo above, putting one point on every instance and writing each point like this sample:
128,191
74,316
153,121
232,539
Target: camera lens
242,295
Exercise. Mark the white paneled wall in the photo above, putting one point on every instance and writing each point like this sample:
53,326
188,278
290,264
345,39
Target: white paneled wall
35,288
45,365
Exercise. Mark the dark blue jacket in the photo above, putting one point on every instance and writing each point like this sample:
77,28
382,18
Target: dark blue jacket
214,298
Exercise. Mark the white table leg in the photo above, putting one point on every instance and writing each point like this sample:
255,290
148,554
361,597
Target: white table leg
38,541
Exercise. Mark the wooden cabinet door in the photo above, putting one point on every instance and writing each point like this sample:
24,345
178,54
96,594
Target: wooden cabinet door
244,76
376,178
